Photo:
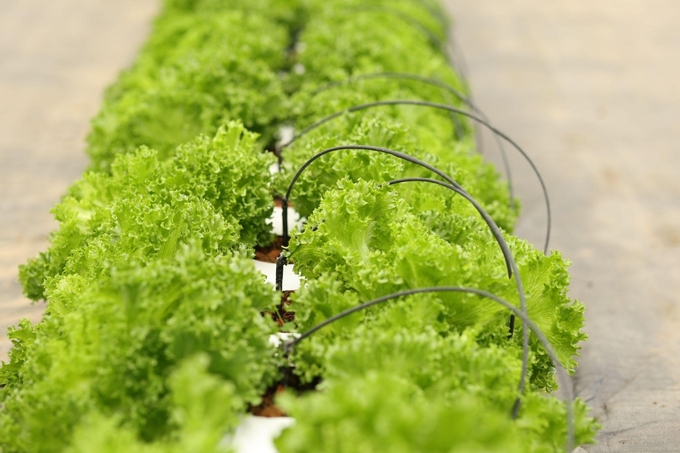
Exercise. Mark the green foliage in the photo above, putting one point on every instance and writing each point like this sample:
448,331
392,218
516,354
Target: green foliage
446,369
196,73
363,38
367,43
367,243
371,244
215,190
289,12
110,348
374,410
381,412
22,337
438,207
543,421
442,366
200,408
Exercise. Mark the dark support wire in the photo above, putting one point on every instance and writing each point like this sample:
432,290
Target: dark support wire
450,109
397,75
487,218
522,314
444,86
507,254
474,203
509,260
455,120
562,375
281,261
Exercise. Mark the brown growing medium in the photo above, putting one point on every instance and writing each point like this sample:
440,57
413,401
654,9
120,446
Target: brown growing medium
282,315
267,408
279,203
269,253
285,314
291,383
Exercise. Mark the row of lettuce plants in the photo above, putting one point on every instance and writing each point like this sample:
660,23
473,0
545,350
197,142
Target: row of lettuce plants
154,338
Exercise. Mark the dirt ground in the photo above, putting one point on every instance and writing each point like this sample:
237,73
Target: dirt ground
588,88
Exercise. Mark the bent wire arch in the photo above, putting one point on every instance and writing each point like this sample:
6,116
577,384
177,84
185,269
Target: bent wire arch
444,86
465,195
449,108
561,372
509,260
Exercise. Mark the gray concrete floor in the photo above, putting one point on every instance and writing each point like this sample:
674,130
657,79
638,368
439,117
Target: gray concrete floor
56,58
588,88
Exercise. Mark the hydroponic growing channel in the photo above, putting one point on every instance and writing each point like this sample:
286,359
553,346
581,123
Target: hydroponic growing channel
334,142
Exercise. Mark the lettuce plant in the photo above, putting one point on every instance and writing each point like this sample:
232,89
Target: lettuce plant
379,37
437,207
200,404
215,190
380,412
110,345
367,239
195,73
366,242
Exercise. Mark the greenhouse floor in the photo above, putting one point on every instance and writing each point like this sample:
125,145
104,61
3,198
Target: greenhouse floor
588,88
56,59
